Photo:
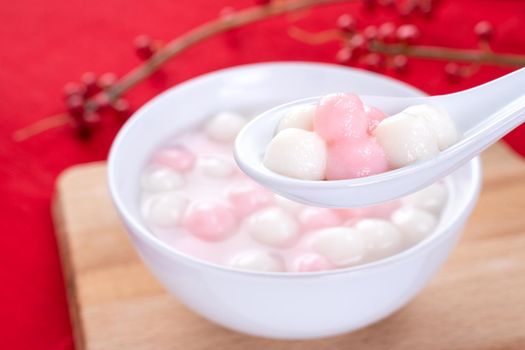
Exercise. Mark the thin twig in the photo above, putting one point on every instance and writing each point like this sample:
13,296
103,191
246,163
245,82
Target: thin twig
41,125
315,38
449,54
484,56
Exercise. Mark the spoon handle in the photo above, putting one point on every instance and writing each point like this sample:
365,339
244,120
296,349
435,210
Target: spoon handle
489,131
484,100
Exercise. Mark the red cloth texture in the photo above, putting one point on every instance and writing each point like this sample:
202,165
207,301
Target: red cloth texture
44,44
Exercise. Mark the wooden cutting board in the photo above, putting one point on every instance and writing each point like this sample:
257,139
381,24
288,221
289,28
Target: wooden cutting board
476,302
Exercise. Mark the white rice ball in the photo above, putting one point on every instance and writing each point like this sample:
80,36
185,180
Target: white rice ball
416,224
406,139
272,226
431,198
258,261
382,237
215,167
164,210
299,117
297,153
439,121
343,246
161,179
224,126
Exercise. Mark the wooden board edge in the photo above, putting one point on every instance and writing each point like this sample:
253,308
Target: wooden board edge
66,258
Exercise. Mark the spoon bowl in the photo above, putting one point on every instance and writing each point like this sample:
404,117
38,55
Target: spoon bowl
482,116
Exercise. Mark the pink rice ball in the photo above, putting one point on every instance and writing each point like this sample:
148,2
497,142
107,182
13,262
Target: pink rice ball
348,159
210,221
249,198
177,158
340,116
374,116
312,218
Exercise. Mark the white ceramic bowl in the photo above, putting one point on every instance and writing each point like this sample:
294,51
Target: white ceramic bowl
277,305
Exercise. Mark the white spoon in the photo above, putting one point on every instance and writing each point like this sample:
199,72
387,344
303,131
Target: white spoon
482,116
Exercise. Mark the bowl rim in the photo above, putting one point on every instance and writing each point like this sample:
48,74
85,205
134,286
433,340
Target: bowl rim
141,231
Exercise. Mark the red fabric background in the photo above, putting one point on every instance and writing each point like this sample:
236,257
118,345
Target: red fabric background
44,44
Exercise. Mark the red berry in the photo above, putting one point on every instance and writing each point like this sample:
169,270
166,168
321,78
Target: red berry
387,32
227,12
344,55
370,32
101,100
484,30
107,80
75,106
85,125
144,47
92,120
72,88
453,72
358,44
89,79
373,61
346,23
407,32
399,63
121,107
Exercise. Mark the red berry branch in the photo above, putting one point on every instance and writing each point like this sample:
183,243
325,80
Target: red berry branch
386,46
85,101
390,46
